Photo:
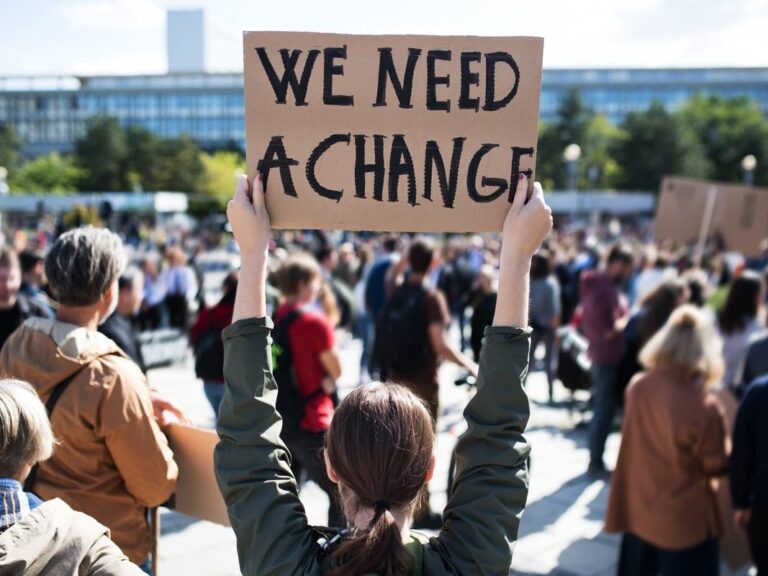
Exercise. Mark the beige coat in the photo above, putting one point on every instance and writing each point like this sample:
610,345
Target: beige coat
54,540
673,444
112,460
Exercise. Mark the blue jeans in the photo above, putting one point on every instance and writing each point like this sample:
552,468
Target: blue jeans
214,391
639,558
603,410
146,567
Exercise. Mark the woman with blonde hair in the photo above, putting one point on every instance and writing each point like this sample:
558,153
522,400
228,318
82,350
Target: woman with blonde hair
673,445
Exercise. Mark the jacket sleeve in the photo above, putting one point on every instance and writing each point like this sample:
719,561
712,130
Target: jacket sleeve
105,559
487,499
253,465
711,449
134,440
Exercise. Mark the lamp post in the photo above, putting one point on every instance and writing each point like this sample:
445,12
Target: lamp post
571,156
748,165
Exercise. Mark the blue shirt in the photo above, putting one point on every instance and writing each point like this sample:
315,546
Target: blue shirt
14,503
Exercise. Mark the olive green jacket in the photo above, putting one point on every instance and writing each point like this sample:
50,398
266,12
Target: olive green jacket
481,520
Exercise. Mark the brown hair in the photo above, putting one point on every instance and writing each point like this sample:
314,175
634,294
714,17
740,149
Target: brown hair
420,256
299,269
658,306
9,258
380,445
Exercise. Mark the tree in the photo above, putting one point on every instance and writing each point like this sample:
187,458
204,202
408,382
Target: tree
600,169
10,146
142,162
570,128
47,174
221,169
102,154
656,143
729,130
179,165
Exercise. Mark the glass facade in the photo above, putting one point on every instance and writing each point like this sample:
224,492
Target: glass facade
50,113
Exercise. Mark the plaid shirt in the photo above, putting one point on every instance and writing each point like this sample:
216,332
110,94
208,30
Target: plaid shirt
14,503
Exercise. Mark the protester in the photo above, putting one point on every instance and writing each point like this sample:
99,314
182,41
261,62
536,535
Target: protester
181,288
119,326
673,444
545,313
307,367
33,278
36,537
739,321
15,307
342,292
756,362
749,470
376,285
483,308
153,312
205,337
113,462
379,447
604,308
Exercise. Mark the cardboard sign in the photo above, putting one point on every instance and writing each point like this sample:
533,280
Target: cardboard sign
398,133
197,493
739,214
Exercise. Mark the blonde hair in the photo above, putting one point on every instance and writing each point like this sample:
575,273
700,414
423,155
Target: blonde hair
688,343
26,437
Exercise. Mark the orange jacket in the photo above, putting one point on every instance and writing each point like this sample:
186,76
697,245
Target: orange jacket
673,445
112,460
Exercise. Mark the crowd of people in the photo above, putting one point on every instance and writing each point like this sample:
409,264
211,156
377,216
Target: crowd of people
677,340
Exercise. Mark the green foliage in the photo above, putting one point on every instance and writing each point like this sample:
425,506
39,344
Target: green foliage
10,145
655,143
47,174
729,130
80,215
101,154
221,169
179,167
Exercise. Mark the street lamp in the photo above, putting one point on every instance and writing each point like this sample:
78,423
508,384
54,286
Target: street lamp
3,189
748,165
571,156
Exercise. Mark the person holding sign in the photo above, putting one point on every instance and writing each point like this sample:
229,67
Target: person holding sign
379,449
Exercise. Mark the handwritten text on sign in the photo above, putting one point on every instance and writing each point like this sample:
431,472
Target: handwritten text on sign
412,133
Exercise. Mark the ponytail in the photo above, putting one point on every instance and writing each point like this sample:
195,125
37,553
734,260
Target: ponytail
378,549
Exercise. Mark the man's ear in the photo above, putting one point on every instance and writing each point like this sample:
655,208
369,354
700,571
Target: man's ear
431,471
332,476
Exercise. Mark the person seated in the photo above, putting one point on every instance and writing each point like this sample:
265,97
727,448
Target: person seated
379,448
39,537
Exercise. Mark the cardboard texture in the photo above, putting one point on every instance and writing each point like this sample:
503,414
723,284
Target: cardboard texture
740,214
197,493
357,139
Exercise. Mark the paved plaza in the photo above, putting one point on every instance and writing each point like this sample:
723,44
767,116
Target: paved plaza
561,531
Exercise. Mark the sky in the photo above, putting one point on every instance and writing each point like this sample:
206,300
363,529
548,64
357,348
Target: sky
84,37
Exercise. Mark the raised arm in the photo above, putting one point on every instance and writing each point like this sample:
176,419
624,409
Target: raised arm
252,464
489,494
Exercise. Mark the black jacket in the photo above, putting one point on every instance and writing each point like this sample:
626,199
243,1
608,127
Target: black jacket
119,329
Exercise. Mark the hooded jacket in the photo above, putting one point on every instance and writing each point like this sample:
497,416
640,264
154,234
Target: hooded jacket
54,540
112,460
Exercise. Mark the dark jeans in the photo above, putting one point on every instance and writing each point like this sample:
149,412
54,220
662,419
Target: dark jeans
214,391
758,537
307,455
639,558
146,567
546,336
603,410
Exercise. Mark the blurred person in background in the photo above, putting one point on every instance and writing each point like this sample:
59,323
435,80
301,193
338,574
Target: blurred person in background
33,277
306,367
113,461
545,314
654,270
749,470
153,312
205,337
342,292
376,283
483,307
119,326
181,288
673,444
740,320
363,323
604,312
37,537
15,307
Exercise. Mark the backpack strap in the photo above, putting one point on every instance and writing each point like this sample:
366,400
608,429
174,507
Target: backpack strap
53,399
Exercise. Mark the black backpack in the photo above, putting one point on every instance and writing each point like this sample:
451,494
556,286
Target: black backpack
290,404
401,345
209,355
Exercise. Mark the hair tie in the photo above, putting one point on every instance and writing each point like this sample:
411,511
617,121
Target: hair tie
381,505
